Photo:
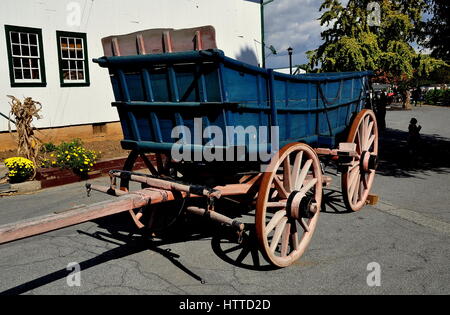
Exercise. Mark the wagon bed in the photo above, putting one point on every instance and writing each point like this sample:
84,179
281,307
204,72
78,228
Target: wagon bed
155,93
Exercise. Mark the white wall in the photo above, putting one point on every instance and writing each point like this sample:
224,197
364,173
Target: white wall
238,32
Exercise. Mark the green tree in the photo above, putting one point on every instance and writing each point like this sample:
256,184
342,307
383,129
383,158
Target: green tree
352,43
435,32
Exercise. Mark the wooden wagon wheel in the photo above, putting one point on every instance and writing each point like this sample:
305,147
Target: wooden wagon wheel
158,219
357,180
288,204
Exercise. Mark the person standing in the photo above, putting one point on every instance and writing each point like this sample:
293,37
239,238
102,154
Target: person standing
413,136
381,110
416,96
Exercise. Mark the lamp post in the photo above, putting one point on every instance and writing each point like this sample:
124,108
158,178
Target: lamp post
290,59
263,44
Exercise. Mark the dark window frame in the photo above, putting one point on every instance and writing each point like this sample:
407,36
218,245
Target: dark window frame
32,30
83,36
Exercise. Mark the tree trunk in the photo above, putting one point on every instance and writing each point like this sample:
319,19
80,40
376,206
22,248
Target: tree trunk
407,100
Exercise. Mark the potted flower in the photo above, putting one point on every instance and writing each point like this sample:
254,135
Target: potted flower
20,169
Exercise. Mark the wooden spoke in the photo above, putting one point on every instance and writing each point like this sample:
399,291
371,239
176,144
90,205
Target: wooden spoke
369,132
353,180
310,184
296,169
353,169
359,143
361,132
287,178
303,173
285,239
364,181
304,224
353,166
276,204
356,189
293,239
369,142
277,235
279,186
277,217
361,188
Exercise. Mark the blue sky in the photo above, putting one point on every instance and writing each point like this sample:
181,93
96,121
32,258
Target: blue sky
291,23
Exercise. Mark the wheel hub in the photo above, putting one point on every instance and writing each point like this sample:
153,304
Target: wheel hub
368,161
299,206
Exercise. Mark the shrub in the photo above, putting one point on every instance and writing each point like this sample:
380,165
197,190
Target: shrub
72,155
20,169
48,147
437,97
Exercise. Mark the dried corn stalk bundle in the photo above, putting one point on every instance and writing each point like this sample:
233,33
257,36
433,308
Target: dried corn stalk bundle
23,113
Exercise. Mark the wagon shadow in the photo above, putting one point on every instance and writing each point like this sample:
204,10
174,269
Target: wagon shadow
128,241
224,240
433,154
245,254
118,230
332,202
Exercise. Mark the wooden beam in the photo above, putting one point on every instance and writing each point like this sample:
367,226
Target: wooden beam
50,222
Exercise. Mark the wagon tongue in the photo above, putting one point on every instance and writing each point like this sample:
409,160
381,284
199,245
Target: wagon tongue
65,218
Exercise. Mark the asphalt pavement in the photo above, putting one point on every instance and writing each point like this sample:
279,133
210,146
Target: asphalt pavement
406,236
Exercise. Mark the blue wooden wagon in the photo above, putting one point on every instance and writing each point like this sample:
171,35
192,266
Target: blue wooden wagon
209,126
213,121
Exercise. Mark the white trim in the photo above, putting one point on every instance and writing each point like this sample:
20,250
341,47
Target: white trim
22,57
76,59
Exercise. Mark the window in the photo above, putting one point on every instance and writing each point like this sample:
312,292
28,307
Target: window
73,59
26,56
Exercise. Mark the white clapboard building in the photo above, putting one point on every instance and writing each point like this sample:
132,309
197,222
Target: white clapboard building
47,46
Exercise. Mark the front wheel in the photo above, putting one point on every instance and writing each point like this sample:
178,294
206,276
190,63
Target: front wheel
288,204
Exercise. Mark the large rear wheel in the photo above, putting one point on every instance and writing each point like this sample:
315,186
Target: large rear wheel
357,179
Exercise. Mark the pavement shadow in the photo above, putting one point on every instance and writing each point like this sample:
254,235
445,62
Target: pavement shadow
129,242
120,230
333,203
245,254
433,154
